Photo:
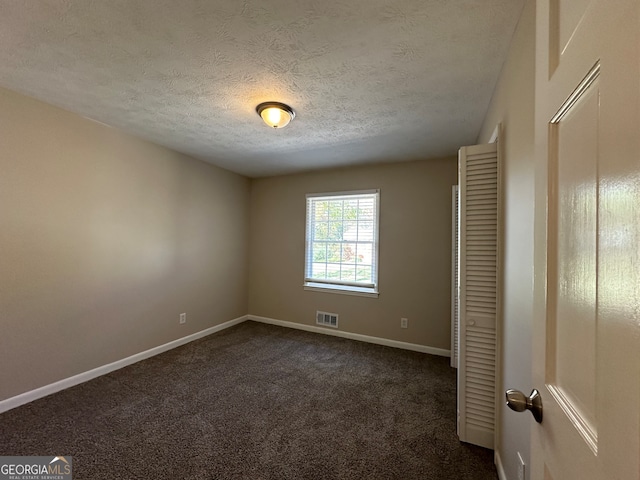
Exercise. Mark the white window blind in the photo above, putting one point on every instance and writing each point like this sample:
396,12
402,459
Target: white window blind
342,241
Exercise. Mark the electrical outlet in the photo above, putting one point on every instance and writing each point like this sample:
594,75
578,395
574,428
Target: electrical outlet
183,318
521,469
404,323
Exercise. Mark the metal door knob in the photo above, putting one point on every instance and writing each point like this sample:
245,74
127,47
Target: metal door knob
516,400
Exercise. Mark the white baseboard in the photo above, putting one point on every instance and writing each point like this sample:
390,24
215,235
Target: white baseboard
353,336
63,384
32,395
498,461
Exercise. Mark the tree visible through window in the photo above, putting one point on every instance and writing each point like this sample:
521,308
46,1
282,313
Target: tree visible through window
342,240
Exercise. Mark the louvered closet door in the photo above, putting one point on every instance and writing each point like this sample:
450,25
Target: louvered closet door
478,240
455,316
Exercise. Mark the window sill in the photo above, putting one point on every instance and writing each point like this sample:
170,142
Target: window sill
341,289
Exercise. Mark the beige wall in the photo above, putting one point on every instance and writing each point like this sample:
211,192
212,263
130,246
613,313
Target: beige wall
513,106
104,240
415,251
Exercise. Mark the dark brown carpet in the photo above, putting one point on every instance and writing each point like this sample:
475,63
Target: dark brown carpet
258,402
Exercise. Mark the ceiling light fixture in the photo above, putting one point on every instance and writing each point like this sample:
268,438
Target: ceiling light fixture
275,114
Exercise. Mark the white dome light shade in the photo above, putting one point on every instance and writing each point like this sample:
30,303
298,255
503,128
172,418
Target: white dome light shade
275,114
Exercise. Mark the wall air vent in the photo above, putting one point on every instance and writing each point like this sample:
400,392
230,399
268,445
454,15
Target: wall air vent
327,319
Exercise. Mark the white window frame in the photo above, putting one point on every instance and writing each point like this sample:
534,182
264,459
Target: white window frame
342,287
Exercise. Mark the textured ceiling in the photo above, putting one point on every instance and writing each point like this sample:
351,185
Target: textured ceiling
370,80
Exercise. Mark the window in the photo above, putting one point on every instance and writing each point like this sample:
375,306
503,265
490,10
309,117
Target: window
342,242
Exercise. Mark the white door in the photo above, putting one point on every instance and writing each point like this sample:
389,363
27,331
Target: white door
478,284
587,240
